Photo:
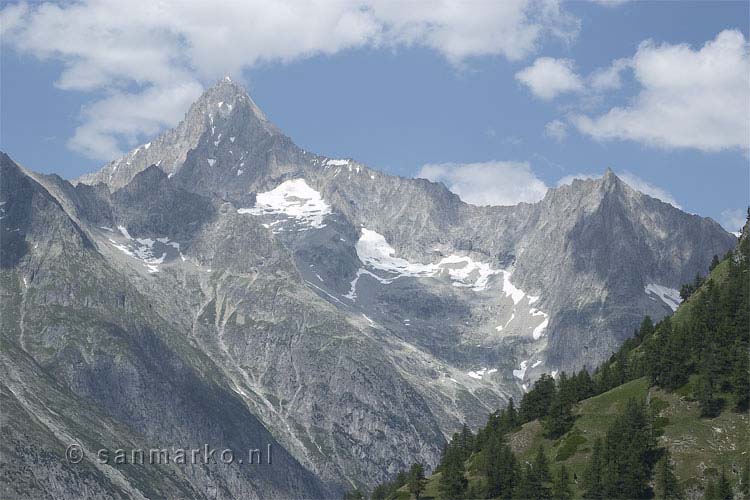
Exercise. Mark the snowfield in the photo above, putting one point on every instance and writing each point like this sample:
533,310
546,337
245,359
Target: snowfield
292,199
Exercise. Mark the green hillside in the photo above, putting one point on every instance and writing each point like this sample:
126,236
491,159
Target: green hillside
668,413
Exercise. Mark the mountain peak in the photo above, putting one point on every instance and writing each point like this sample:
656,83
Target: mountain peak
225,105
227,92
610,181
609,175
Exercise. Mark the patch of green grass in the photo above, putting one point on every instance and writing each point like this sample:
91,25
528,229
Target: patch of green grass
570,445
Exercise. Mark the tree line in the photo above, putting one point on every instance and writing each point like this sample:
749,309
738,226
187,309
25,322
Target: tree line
705,351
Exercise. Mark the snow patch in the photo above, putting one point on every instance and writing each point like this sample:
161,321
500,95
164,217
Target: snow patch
337,163
539,330
521,372
478,374
669,296
124,232
295,200
143,249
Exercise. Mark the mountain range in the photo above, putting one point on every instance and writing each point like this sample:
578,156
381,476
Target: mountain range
221,285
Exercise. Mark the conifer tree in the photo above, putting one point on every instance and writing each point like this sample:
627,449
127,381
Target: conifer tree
559,419
709,404
416,480
584,385
500,468
527,486
540,469
592,478
646,329
561,485
453,481
511,415
667,486
741,379
466,441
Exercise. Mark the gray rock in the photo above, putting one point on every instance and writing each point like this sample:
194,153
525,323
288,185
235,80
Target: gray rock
357,363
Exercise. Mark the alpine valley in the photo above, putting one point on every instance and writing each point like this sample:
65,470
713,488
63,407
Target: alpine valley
221,285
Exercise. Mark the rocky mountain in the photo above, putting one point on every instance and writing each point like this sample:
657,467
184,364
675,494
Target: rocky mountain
352,317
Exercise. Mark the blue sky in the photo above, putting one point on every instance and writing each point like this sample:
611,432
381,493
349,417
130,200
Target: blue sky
498,100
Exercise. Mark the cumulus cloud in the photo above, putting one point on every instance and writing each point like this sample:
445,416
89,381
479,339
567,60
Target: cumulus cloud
549,77
733,219
510,183
128,116
696,99
136,50
609,78
631,180
488,183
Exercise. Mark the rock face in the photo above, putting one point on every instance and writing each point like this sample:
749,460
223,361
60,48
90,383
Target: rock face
86,359
352,318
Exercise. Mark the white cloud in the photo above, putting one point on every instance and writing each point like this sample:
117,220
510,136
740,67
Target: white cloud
733,219
130,115
470,28
135,49
488,183
548,77
557,130
610,3
510,183
689,99
631,180
609,78
646,187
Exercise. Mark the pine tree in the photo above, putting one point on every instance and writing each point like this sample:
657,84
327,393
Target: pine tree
511,415
630,451
584,385
592,478
561,485
535,403
667,486
527,485
453,481
540,469
416,480
466,441
741,379
646,329
709,404
559,420
500,468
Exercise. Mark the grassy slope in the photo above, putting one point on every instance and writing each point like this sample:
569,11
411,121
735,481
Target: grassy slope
699,447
